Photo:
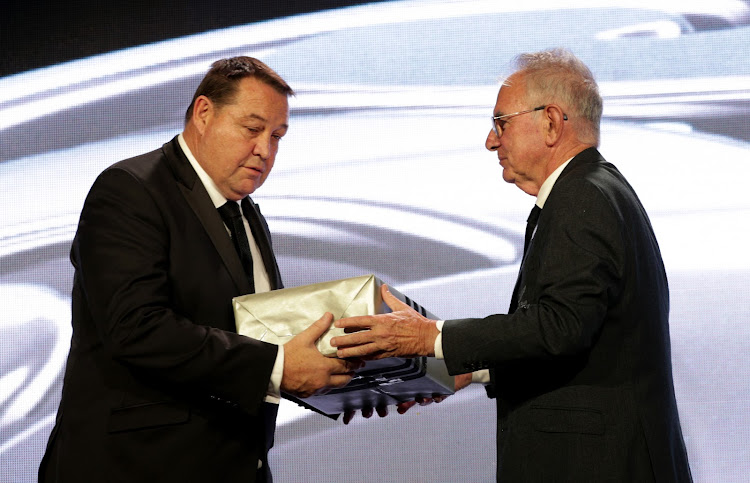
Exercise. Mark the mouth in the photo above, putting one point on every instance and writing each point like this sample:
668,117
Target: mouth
253,171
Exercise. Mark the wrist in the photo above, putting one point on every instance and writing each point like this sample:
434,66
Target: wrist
429,334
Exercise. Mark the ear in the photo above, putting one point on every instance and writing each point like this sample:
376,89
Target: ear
203,110
554,124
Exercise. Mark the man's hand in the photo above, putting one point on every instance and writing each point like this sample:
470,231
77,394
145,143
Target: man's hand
366,413
401,333
460,382
401,408
306,370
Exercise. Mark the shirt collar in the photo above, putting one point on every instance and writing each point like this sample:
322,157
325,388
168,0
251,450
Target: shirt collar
213,191
546,187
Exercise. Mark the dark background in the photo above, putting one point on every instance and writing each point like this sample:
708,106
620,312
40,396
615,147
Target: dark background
70,33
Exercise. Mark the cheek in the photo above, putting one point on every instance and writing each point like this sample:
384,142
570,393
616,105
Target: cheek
269,168
237,152
514,150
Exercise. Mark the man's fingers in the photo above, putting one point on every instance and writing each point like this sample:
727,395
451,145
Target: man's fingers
356,338
338,380
342,367
348,416
391,300
318,328
352,365
405,406
382,411
367,351
355,324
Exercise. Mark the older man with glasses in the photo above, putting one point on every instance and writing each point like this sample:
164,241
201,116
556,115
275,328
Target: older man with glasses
580,366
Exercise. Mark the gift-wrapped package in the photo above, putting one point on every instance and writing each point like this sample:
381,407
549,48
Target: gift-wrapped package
279,315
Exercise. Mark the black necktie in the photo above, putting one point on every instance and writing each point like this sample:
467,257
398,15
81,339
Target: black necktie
230,213
258,232
530,225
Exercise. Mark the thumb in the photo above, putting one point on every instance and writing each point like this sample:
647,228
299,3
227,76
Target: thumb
391,300
318,328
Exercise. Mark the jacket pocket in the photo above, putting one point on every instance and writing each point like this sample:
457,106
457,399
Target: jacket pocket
567,420
150,415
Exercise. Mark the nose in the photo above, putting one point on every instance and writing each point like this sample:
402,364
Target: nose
492,142
263,147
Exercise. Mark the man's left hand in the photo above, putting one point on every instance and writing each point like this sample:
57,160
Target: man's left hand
402,333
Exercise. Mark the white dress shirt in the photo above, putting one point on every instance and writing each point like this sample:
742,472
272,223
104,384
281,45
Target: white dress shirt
260,274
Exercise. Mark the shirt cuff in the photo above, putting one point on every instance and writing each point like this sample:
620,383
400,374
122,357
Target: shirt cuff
481,376
274,385
439,340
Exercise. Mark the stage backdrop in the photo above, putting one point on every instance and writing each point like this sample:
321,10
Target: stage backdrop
384,171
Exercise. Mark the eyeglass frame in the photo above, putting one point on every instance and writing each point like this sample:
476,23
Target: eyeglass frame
498,130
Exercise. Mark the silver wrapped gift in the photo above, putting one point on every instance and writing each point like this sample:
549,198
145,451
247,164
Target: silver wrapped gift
279,315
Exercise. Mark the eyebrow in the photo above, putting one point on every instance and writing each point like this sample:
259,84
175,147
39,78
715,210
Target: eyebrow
260,118
254,116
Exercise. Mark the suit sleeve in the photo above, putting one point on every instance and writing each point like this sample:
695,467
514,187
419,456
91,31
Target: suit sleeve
571,275
122,257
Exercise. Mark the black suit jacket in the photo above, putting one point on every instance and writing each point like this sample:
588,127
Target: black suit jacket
582,369
158,385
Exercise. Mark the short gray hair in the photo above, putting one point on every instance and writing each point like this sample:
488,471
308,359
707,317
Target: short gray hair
558,76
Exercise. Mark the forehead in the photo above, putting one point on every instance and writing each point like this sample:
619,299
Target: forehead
256,99
510,96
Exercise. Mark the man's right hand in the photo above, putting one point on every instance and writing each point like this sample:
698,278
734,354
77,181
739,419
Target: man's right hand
306,370
460,382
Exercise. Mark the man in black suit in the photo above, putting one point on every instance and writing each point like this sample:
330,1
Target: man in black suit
580,367
158,384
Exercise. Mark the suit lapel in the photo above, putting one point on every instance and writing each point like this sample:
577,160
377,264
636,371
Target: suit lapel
518,289
197,198
588,155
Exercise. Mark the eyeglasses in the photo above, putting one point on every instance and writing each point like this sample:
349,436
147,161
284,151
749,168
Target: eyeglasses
498,122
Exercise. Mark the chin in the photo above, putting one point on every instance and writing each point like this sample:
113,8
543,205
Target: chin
248,189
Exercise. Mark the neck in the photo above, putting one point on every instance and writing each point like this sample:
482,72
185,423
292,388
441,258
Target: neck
190,137
527,186
561,155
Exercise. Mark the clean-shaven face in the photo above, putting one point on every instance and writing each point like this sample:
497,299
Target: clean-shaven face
516,146
239,141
